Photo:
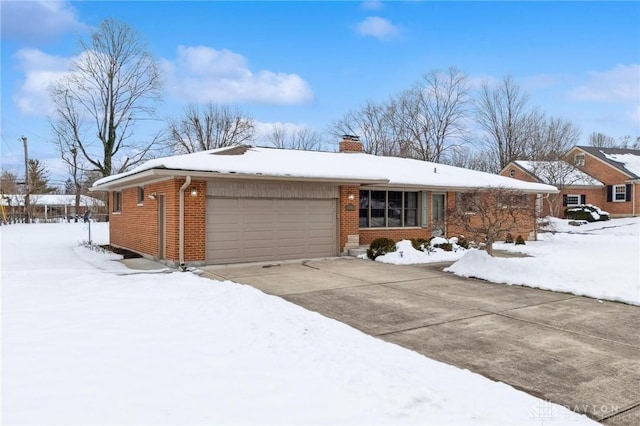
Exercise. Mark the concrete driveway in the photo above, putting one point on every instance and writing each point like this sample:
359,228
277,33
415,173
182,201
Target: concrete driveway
571,350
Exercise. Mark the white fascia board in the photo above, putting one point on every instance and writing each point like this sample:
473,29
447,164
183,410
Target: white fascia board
156,175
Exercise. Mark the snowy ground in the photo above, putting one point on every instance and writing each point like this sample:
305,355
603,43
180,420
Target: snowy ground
599,259
85,341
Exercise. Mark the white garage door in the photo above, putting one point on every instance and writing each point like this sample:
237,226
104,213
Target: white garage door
254,229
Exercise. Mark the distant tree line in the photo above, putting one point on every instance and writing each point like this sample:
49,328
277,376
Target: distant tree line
115,83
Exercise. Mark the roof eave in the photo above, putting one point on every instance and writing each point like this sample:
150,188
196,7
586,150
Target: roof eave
156,175
444,188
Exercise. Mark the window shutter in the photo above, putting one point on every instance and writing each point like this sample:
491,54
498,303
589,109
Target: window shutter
583,199
564,200
609,193
628,192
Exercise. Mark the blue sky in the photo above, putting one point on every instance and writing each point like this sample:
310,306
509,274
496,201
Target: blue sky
307,63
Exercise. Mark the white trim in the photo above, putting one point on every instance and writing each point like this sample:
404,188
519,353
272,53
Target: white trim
614,193
573,195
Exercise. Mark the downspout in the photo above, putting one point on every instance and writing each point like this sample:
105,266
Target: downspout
184,186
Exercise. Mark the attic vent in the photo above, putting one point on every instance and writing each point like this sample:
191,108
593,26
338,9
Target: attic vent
236,150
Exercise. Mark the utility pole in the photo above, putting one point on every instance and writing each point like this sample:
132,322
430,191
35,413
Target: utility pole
26,180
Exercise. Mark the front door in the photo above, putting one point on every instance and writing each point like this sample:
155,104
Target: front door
437,214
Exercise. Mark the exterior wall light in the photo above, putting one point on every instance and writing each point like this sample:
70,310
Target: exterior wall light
153,195
194,192
351,197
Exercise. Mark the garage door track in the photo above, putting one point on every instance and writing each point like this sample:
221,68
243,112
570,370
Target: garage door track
570,350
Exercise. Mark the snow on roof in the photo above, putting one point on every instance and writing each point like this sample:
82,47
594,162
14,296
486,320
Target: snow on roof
631,162
300,165
49,200
559,171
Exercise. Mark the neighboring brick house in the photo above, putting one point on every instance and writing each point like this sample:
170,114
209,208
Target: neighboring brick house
605,177
575,186
244,204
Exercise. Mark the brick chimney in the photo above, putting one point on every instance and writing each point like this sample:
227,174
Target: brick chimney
350,143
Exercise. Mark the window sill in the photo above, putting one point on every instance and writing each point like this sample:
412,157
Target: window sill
116,212
390,227
140,204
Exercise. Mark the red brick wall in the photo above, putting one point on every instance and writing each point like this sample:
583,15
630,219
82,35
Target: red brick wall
135,227
396,234
349,219
195,221
525,224
519,174
609,176
350,146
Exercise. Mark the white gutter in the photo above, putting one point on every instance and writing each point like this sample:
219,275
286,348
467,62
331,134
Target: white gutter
184,186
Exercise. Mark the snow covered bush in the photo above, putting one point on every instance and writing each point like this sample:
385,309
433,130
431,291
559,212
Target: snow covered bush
419,243
587,212
461,241
520,241
380,246
508,239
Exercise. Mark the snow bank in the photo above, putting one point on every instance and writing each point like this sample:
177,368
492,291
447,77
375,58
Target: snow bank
598,259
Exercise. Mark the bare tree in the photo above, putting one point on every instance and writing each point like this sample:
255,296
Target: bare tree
8,183
433,113
489,214
214,126
550,138
601,140
560,174
504,115
374,126
627,142
302,138
471,158
112,83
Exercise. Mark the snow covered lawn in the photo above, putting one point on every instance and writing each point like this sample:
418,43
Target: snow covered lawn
86,341
598,259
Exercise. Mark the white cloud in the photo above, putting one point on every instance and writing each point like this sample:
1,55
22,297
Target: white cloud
372,5
620,84
42,72
380,28
39,20
203,74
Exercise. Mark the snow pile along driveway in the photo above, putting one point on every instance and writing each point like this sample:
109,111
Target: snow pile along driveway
599,259
84,342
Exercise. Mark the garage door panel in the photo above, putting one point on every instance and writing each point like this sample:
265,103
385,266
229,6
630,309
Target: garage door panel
252,229
260,237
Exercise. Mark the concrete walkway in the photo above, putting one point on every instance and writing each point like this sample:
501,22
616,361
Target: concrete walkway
567,349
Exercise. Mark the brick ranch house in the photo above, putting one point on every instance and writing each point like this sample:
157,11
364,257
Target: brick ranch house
247,204
605,177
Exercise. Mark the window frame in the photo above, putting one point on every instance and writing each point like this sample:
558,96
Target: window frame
578,197
402,204
117,202
141,195
615,193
